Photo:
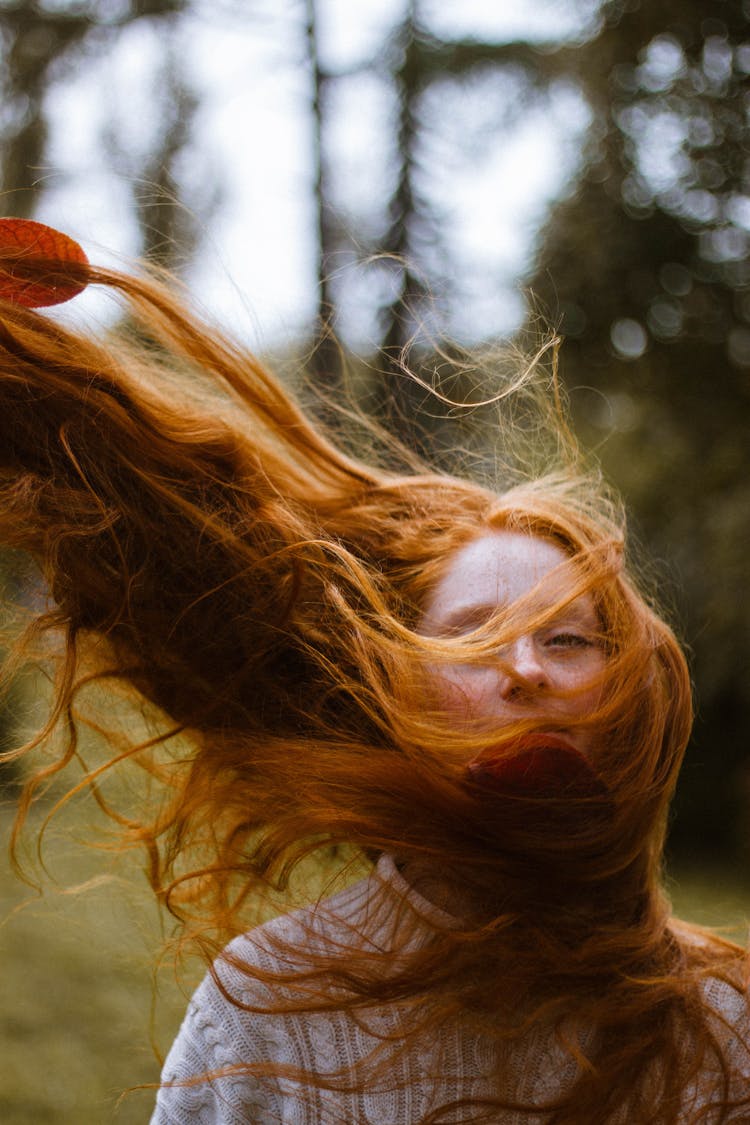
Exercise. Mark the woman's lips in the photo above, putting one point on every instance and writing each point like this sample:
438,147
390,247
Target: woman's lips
542,764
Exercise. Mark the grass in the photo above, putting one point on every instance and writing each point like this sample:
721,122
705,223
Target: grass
77,992
77,985
712,896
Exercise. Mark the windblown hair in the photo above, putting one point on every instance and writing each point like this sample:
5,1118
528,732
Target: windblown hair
209,551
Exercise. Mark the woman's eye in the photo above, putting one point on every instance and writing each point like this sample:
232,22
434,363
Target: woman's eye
570,640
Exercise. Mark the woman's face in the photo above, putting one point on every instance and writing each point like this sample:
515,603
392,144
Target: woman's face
552,673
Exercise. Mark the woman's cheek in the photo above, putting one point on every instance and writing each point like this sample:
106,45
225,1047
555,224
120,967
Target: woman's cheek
585,686
463,691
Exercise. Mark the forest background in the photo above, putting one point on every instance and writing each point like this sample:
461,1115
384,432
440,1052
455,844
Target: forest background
584,164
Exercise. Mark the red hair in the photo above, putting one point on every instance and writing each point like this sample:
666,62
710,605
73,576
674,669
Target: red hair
210,552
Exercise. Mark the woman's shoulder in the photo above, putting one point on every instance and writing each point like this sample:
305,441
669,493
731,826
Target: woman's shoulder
724,971
249,1006
380,913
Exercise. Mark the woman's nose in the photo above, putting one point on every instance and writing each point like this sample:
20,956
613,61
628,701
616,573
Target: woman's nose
523,669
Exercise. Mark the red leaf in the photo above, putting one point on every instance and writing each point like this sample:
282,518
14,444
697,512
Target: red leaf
38,264
541,767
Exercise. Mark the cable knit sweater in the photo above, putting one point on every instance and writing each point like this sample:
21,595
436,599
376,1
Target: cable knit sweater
451,1064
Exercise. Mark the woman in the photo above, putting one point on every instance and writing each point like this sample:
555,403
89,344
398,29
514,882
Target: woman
465,689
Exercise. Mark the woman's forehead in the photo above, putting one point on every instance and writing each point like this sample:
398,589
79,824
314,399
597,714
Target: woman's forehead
497,569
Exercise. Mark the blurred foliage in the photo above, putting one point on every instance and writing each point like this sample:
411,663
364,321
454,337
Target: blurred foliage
83,1011
646,268
16,588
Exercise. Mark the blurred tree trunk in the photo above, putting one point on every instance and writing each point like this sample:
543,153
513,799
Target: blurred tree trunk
325,364
400,318
169,213
417,62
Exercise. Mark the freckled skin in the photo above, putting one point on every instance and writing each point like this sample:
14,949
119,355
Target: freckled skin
564,655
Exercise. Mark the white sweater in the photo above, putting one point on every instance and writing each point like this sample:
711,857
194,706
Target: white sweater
454,1063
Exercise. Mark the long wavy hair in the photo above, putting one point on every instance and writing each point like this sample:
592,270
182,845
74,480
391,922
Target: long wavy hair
211,554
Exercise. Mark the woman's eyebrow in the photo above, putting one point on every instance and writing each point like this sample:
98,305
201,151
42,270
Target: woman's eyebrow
466,614
578,612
